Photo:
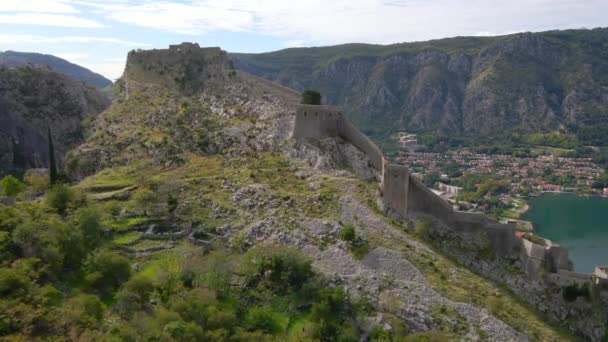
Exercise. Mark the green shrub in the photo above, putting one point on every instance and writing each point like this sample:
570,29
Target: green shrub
59,197
357,245
85,311
134,296
57,245
182,331
311,97
263,318
277,268
13,284
88,221
330,312
347,233
107,271
11,186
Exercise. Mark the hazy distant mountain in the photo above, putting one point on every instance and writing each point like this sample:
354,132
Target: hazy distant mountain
476,86
13,58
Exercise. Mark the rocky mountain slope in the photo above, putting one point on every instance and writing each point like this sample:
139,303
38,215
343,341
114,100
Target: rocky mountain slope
14,59
475,86
31,100
220,150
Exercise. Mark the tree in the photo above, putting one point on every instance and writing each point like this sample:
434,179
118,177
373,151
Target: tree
147,200
85,311
311,97
52,163
88,222
108,271
276,268
430,179
134,296
11,186
59,198
171,204
263,318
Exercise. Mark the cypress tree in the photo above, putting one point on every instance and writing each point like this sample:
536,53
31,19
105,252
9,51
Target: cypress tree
52,163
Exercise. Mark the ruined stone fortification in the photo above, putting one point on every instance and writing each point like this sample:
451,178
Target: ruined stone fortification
316,122
186,67
404,196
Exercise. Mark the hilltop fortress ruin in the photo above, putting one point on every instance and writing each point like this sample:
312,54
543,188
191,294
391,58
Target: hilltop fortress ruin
536,269
189,68
404,196
186,67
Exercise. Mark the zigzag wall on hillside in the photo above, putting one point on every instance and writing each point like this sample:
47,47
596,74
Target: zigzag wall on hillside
404,196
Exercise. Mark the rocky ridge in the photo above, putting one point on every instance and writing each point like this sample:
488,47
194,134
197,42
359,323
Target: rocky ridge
31,100
225,153
477,86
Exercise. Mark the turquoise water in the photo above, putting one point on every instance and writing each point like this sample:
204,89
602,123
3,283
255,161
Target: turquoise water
578,223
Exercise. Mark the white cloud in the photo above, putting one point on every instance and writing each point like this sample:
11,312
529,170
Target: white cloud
192,18
45,19
340,21
42,40
111,70
39,6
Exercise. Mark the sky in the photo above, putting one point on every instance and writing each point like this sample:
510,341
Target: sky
98,34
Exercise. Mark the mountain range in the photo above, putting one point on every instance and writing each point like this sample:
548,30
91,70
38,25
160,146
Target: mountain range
555,81
193,215
77,72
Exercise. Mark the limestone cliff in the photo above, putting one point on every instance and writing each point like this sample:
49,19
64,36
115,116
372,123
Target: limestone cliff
31,100
476,86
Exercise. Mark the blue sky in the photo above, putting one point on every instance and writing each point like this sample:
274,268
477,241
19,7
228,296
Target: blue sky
98,33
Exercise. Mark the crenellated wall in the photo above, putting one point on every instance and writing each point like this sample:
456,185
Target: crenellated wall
316,122
405,196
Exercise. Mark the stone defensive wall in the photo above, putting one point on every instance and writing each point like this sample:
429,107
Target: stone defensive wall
316,122
186,66
405,196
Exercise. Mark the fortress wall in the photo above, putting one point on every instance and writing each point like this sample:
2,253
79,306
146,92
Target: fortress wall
499,237
186,66
503,240
470,217
534,258
567,278
558,258
424,201
350,133
395,188
316,122
406,195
